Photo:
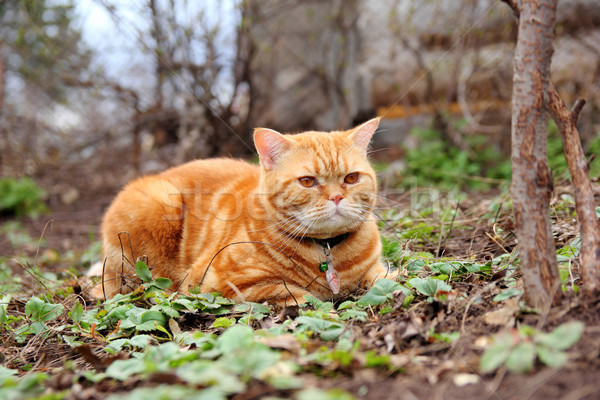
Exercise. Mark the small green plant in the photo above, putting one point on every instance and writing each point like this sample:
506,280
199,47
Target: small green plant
435,162
391,250
9,281
434,289
517,349
21,197
381,292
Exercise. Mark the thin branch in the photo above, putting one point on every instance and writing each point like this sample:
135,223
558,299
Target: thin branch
514,7
589,226
577,107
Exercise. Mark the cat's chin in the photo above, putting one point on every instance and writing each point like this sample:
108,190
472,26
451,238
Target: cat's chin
332,226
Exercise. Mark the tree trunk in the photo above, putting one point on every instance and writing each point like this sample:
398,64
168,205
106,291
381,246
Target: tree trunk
1,77
159,54
531,185
2,149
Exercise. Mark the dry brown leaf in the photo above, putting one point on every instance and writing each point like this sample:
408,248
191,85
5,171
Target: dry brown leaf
504,316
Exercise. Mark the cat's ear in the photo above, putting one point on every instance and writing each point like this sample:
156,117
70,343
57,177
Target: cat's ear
361,135
270,145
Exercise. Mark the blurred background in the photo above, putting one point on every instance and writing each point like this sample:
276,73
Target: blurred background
96,92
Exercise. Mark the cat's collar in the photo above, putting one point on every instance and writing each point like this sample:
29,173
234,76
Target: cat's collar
330,242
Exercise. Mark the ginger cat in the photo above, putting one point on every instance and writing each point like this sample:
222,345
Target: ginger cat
300,224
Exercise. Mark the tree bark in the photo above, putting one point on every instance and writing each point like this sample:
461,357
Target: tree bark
531,185
1,77
589,227
1,104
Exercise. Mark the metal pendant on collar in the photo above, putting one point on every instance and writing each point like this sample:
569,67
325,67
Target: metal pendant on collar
331,274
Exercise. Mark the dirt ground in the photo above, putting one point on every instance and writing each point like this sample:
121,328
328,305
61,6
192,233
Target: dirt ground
440,367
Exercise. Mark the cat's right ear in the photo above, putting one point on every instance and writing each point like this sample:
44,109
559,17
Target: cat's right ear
270,145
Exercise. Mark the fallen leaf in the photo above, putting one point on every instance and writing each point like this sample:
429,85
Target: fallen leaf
284,342
505,316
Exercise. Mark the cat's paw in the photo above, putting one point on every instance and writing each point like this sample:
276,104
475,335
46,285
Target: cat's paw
393,274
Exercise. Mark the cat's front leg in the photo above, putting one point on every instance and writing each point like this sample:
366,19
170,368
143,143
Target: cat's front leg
376,272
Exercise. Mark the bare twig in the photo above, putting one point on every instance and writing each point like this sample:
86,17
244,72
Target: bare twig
514,7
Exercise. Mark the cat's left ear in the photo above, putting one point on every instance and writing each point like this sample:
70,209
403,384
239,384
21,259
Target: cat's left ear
361,135
270,145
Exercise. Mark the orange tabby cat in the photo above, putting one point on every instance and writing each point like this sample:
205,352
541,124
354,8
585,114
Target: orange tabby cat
300,224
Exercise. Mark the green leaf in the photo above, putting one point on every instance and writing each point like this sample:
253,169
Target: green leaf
162,283
507,294
76,312
188,304
143,272
255,308
235,337
209,373
551,357
448,337
140,341
3,307
149,320
346,304
521,358
167,309
41,311
147,326
446,268
116,345
429,286
372,359
326,306
117,313
152,315
563,337
380,292
206,296
6,372
328,330
473,268
320,394
171,392
354,314
497,354
416,265
123,369
223,322
336,332
72,341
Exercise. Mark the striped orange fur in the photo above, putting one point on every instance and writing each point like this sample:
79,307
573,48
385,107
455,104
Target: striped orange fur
249,232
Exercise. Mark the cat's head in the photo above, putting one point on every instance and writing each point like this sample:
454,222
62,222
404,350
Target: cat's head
320,184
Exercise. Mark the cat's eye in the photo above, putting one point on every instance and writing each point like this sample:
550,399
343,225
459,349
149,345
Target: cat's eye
351,178
308,181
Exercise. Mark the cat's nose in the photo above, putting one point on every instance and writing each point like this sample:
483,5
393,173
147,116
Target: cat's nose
336,198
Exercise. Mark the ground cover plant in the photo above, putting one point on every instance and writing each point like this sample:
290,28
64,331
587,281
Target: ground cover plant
453,324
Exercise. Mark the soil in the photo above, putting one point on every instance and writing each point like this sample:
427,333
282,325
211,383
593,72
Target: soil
437,374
